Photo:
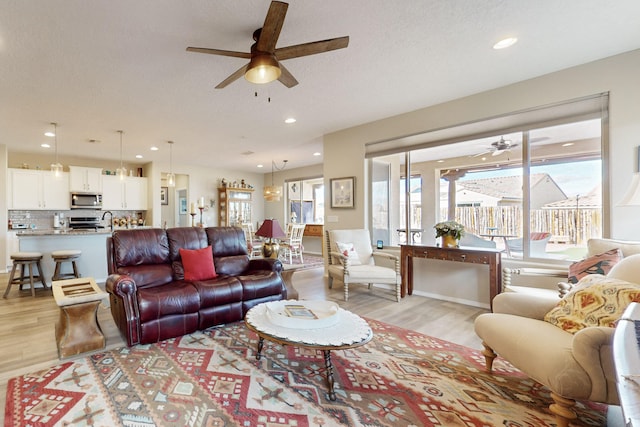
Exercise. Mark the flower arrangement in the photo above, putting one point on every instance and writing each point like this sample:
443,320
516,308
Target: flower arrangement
451,228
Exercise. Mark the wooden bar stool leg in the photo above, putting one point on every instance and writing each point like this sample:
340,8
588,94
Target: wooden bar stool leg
11,276
56,271
75,269
41,275
33,285
23,274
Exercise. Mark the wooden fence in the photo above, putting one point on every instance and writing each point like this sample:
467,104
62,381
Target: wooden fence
565,225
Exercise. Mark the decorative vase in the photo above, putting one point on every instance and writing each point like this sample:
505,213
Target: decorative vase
270,249
449,241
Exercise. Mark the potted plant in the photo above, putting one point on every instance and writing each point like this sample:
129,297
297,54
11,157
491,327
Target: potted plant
450,232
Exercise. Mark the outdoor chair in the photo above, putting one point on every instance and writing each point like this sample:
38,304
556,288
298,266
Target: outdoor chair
537,244
471,240
353,260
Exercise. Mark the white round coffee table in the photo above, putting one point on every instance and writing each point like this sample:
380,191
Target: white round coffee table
348,331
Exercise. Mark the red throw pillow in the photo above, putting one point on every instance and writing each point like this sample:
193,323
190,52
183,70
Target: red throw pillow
597,264
198,263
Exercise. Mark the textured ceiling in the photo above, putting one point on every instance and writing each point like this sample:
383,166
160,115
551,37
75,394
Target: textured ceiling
96,67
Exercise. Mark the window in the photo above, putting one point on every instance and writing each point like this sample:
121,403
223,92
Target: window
536,192
305,201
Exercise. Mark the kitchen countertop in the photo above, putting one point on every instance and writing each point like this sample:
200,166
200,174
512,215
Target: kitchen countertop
62,232
68,231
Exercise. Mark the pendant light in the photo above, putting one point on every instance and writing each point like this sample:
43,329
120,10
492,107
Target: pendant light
171,177
272,193
121,171
56,168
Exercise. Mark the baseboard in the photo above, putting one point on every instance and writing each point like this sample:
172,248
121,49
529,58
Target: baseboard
451,299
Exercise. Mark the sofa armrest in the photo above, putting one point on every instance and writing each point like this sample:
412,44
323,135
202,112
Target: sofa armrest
337,258
388,256
269,264
123,297
592,348
525,305
508,273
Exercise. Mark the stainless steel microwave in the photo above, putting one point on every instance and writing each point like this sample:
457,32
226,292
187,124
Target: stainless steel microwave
86,201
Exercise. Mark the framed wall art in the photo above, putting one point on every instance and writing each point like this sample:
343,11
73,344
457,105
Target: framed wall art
164,195
343,192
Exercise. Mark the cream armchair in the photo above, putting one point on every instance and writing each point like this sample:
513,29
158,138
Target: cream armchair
573,366
361,264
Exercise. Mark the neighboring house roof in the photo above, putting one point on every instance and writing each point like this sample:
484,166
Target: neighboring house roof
502,187
591,200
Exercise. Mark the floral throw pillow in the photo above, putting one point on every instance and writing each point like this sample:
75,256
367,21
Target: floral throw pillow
597,264
595,301
348,250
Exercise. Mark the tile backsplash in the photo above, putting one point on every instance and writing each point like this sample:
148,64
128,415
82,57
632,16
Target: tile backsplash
43,220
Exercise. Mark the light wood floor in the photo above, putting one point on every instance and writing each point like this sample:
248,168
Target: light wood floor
27,325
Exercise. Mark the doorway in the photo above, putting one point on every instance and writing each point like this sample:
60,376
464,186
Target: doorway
174,202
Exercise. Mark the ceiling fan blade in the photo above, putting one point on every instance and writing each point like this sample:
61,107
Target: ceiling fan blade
233,77
235,54
311,48
286,78
271,28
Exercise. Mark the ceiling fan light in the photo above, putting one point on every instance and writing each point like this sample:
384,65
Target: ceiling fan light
263,68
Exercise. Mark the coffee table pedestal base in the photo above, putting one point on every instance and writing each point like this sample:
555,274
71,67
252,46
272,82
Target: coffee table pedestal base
327,363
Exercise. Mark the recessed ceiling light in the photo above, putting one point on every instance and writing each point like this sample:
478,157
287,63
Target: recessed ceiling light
45,145
440,161
260,166
567,144
317,154
484,159
138,156
289,120
49,134
510,41
154,148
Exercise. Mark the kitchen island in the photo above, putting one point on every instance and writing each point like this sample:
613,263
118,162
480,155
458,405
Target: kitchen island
92,243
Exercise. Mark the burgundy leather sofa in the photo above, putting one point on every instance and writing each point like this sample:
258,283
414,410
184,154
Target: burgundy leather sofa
150,299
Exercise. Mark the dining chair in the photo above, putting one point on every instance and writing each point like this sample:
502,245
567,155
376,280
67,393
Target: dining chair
292,247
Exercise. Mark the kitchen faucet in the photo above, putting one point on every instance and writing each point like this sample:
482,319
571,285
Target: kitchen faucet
110,218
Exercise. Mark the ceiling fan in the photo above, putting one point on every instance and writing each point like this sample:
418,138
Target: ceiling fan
264,59
498,147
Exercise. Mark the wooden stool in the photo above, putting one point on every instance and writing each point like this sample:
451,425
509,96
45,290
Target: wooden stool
68,255
24,260
78,330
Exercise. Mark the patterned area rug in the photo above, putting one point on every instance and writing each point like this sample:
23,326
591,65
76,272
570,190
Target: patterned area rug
310,261
400,378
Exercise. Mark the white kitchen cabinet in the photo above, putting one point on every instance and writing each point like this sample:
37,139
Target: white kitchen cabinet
129,194
85,179
36,189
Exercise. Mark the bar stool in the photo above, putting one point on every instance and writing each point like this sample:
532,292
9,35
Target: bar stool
67,255
24,260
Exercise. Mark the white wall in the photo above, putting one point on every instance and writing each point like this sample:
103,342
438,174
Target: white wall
4,173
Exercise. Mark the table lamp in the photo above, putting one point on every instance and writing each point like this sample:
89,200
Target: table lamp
270,228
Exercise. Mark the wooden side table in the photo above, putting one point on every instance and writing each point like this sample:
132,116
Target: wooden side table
78,330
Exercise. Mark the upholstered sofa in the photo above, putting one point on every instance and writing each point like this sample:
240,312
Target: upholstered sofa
167,283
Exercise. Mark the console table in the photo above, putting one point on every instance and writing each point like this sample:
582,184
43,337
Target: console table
490,257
